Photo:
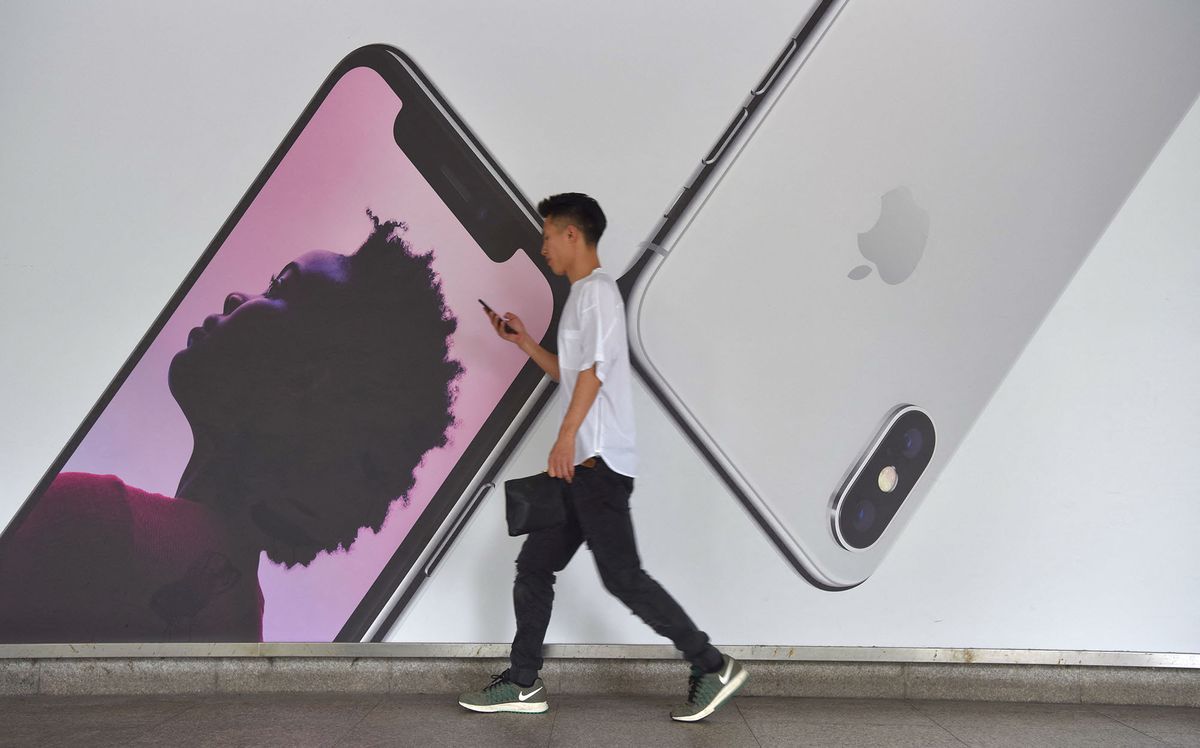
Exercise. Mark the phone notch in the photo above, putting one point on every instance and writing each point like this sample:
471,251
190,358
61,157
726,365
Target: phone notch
478,200
882,478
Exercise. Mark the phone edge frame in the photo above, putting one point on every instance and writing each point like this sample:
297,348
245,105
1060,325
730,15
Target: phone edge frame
676,219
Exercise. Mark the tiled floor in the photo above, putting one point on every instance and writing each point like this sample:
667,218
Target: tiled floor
331,720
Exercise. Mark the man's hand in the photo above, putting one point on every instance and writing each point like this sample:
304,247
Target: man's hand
546,361
562,459
514,323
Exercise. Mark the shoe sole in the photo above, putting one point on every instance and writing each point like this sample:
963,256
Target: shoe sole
536,707
722,696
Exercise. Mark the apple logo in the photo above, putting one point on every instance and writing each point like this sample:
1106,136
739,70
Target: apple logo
897,240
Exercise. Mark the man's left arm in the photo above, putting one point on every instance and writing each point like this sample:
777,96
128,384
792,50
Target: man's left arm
562,456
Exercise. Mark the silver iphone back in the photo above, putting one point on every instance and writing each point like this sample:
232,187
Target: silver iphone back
881,232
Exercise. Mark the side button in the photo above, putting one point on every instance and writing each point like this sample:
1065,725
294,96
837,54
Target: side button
774,71
673,212
467,511
730,131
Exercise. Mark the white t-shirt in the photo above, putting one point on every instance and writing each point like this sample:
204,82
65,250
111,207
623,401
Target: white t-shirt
592,331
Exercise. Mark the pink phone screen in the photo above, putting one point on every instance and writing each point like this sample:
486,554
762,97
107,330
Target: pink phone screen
345,162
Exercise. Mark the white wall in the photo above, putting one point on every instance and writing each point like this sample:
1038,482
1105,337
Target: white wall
129,130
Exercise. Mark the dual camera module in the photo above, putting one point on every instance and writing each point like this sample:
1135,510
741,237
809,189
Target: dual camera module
883,478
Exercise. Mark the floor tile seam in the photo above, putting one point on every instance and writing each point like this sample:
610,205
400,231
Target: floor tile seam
935,721
1098,709
341,739
961,741
913,705
1131,727
1095,709
746,722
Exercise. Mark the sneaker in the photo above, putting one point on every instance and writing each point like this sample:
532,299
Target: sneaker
502,695
708,691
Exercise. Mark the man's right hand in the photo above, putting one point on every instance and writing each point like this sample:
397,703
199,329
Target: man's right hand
513,322
547,361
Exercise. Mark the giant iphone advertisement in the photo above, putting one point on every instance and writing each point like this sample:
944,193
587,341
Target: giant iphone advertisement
910,300
908,227
319,394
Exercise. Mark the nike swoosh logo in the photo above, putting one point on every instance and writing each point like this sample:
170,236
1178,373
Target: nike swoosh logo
522,695
724,678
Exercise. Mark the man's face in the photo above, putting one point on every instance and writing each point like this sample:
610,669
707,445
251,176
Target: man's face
557,244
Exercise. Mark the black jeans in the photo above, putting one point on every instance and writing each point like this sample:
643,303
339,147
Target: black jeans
598,512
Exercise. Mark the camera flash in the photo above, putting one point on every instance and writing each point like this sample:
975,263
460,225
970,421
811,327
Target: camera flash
888,479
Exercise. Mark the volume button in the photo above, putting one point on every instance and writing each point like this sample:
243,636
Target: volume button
784,56
444,546
732,130
672,212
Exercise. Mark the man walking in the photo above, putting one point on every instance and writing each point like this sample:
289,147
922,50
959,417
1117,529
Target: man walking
595,454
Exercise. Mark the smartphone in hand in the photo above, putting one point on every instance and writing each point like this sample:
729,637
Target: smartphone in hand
491,311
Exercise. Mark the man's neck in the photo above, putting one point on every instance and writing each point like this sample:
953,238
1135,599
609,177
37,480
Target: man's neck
584,265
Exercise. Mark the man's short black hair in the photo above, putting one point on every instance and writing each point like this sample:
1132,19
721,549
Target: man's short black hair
578,209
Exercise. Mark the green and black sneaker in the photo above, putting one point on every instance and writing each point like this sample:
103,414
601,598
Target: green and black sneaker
502,695
708,691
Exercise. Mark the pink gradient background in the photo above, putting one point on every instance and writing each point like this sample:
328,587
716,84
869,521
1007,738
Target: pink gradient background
345,161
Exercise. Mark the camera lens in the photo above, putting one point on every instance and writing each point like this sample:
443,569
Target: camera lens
882,479
913,441
864,515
